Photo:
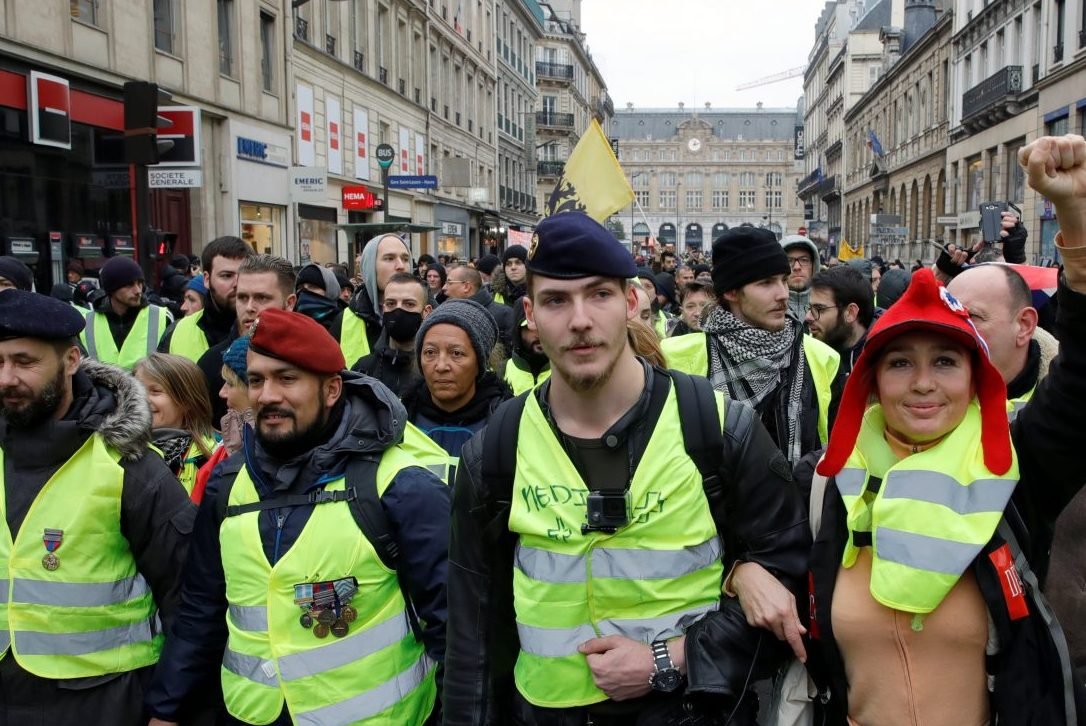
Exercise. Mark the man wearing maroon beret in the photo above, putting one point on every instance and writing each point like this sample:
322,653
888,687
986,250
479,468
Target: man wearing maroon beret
291,583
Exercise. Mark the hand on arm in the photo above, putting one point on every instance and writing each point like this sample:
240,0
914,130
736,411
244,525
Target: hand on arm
621,667
768,604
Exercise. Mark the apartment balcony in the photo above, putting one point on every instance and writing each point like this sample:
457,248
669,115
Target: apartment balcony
382,75
330,44
301,29
360,61
994,99
551,120
554,71
550,169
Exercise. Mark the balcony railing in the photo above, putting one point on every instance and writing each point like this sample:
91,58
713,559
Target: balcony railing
382,75
418,96
992,90
554,120
360,61
551,168
433,104
401,86
301,29
561,71
1057,53
330,44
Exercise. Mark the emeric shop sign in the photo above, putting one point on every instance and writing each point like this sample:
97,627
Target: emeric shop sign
262,152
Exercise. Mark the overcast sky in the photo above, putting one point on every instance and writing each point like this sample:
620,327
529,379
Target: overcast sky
655,54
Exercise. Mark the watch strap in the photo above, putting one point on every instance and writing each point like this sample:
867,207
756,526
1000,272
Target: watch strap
661,657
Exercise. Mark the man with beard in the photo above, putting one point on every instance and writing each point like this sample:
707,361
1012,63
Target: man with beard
262,282
194,334
359,327
94,527
576,595
123,326
840,312
529,365
392,362
753,351
315,549
803,263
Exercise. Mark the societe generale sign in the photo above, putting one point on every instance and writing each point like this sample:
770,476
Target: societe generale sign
358,197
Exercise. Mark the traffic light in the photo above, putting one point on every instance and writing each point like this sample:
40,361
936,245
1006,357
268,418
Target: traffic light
141,122
808,210
160,244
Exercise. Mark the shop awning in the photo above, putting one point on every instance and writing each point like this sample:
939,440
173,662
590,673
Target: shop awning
376,228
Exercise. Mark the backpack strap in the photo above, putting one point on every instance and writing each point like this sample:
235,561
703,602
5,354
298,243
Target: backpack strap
499,465
1042,608
703,436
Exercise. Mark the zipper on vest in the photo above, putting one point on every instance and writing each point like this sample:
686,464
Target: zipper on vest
280,520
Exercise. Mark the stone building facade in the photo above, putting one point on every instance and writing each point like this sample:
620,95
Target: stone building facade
696,173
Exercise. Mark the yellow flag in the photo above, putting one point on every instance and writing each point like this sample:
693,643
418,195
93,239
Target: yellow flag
846,252
593,181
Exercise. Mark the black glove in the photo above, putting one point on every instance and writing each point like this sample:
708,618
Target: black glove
1014,245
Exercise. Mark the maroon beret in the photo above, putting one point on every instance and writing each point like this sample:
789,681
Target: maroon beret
298,339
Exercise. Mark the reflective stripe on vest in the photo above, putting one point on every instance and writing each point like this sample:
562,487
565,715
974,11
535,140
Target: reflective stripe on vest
651,579
353,338
427,453
103,620
521,380
188,339
376,670
690,354
142,339
929,518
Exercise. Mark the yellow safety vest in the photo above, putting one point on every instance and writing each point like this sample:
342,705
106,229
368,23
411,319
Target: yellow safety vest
189,468
93,614
521,380
376,674
427,453
932,514
353,338
659,324
142,340
188,340
1015,405
648,581
690,354
498,297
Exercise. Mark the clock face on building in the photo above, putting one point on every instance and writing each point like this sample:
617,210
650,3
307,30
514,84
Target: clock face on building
694,145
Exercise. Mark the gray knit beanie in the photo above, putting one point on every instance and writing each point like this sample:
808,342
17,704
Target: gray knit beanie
469,316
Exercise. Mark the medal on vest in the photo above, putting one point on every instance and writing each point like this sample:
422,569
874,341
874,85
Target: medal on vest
51,539
325,607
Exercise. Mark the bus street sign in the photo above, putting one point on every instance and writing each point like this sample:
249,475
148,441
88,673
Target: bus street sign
385,155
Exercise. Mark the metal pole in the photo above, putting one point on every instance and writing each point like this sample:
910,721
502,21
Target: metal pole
384,181
143,220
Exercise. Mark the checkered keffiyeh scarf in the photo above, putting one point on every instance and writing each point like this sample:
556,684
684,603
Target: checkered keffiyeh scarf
749,364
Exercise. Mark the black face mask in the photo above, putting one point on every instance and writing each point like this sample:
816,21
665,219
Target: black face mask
402,325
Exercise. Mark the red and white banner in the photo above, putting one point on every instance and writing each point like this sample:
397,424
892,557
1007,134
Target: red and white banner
420,155
50,110
185,135
405,157
303,128
361,143
334,118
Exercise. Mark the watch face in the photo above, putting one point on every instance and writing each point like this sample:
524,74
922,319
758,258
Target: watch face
694,144
666,681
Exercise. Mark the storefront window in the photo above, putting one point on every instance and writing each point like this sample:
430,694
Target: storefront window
453,246
317,230
261,227
974,183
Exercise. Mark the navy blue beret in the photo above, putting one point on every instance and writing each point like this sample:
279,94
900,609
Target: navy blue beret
572,245
31,315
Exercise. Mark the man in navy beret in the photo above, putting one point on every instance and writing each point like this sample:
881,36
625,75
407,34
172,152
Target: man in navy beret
95,526
578,507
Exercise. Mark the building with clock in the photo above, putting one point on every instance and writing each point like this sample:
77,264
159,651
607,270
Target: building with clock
696,173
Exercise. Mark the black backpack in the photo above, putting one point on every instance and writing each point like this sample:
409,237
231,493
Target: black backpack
702,437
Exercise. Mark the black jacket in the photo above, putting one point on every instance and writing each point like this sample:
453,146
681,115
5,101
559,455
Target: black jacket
156,519
768,526
397,369
217,325
1048,439
210,364
502,314
416,502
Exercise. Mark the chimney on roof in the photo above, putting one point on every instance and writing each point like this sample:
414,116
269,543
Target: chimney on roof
920,17
629,106
760,104
708,105
681,105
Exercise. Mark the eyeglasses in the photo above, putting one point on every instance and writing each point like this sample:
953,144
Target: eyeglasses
817,310
801,261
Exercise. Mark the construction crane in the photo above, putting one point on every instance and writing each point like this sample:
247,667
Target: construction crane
775,78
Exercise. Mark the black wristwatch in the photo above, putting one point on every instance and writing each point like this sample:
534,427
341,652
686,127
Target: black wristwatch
665,676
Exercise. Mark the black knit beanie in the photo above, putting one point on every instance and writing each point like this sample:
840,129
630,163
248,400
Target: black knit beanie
518,251
119,272
16,272
746,254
